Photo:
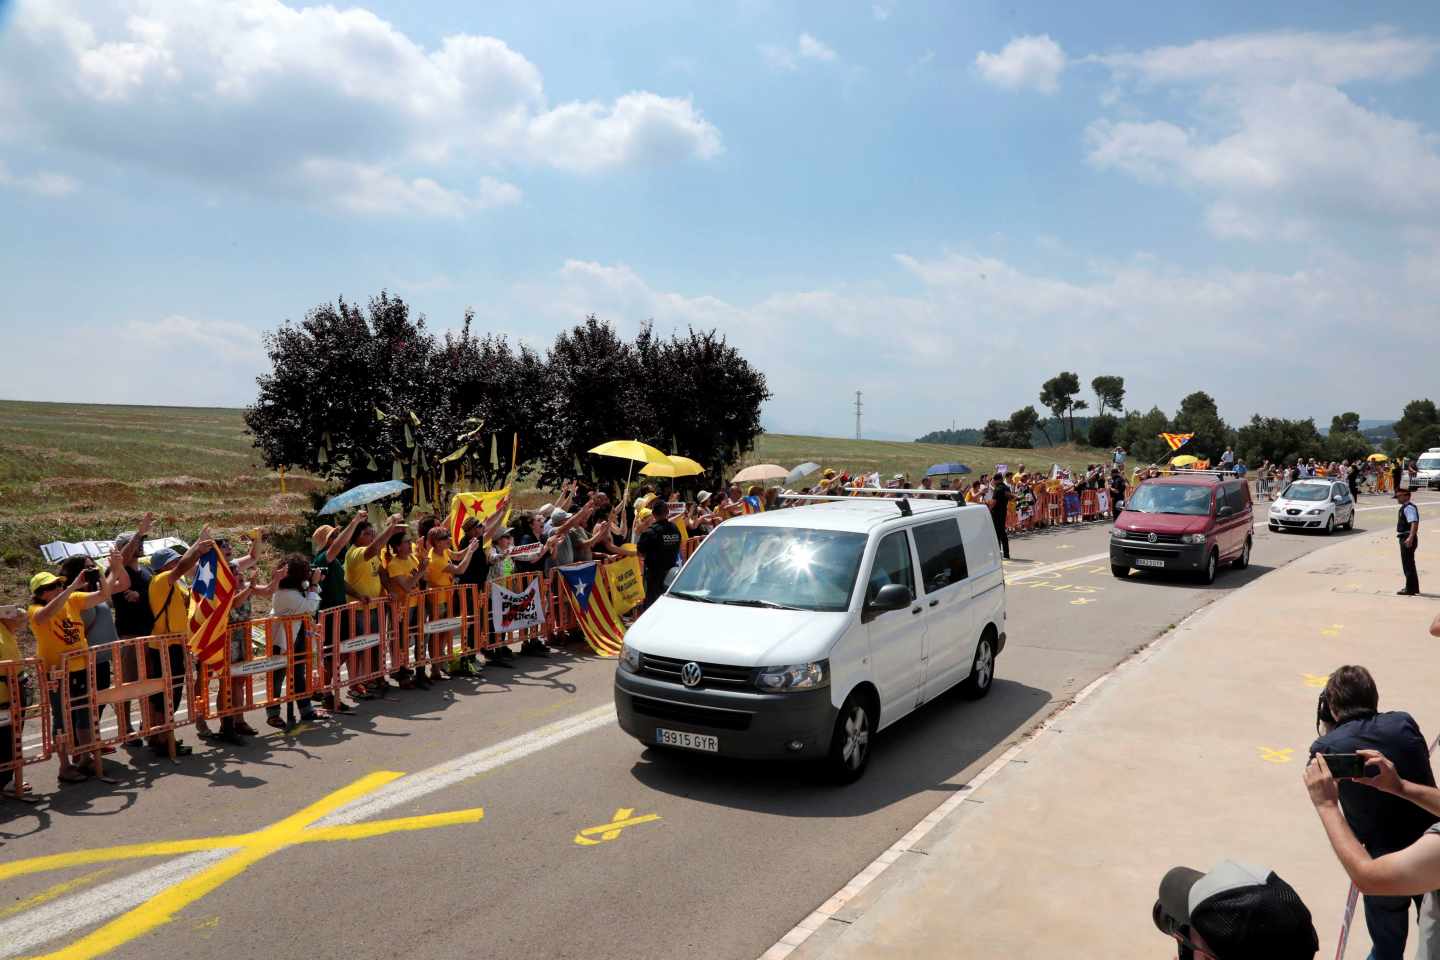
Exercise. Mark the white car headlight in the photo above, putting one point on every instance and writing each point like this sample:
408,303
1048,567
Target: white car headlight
801,676
629,659
1314,513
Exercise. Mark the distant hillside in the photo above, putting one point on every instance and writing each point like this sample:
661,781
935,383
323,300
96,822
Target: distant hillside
971,436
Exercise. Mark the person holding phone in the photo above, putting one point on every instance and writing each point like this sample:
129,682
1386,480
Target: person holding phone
1350,722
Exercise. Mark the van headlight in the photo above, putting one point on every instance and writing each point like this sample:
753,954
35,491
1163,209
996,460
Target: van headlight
629,659
1117,534
1192,538
801,676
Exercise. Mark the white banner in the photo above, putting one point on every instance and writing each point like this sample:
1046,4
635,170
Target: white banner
516,611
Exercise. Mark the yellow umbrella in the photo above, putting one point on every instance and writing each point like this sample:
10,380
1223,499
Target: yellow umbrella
634,451
1184,460
1377,458
678,467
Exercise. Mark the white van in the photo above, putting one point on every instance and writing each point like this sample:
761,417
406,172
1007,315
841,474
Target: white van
801,632
1427,469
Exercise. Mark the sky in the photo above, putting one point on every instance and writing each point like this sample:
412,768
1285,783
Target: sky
938,204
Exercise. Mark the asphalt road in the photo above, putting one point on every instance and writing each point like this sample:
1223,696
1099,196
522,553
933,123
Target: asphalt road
735,855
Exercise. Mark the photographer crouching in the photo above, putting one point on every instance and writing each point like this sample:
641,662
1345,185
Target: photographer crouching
1234,912
1350,723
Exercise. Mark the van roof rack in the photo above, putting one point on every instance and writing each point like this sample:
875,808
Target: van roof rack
901,497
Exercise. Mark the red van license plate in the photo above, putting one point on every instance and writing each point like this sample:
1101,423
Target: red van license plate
1147,562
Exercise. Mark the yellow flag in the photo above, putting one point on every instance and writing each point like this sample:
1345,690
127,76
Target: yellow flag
480,505
627,591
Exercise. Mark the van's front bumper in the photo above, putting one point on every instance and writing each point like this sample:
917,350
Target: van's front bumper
1174,556
746,724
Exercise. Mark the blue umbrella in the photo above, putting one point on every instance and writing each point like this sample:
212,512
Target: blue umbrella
947,470
363,494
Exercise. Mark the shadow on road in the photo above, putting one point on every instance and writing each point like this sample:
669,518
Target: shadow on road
921,753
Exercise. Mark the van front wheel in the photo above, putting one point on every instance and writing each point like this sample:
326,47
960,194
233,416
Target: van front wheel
850,744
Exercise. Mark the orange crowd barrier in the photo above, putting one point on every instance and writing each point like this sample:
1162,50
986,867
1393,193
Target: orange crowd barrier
268,662
449,624
22,683
353,639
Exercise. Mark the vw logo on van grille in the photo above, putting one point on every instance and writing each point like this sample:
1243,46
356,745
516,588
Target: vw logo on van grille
690,674
1152,538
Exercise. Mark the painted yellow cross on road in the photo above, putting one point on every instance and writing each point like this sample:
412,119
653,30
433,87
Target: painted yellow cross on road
624,817
1271,755
249,849
1315,679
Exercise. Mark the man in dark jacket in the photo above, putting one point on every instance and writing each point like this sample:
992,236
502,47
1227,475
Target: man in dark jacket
1383,823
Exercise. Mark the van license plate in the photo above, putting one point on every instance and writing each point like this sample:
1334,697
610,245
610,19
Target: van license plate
690,741
1148,562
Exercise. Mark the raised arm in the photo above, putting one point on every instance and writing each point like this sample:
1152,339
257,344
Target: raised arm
192,556
456,567
342,540
132,549
395,525
118,576
1414,870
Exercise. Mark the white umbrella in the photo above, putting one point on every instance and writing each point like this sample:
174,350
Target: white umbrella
761,472
794,477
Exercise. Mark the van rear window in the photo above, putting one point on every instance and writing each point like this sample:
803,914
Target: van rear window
942,554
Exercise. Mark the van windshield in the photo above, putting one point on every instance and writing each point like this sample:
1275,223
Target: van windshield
1182,498
781,567
1428,463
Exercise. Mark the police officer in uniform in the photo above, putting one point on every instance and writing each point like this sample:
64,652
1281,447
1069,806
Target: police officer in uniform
1000,498
658,544
1407,529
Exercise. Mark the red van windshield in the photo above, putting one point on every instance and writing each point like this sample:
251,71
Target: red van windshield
1187,499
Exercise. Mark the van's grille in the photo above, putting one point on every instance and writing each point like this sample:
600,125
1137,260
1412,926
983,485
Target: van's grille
713,675
1159,537
691,714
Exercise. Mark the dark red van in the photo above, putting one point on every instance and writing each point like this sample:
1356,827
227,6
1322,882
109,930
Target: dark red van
1192,522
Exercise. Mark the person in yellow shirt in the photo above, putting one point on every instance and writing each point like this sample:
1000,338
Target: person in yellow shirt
55,620
440,572
401,579
10,620
170,603
363,562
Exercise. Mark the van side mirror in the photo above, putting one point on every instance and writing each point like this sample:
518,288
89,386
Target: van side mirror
892,596
1225,510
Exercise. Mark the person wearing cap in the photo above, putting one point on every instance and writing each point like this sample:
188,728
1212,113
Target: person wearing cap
401,578
1407,531
132,610
328,545
170,603
1235,912
57,620
477,574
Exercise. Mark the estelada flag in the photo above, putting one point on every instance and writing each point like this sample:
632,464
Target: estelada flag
1177,440
590,599
481,506
752,504
210,600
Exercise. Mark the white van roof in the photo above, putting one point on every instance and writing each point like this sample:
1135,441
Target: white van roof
850,515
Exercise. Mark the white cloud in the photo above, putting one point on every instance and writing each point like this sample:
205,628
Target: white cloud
44,183
233,342
251,94
1025,63
807,47
813,49
882,11
975,316
1282,57
1259,125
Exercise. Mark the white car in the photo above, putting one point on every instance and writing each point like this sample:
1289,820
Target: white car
799,633
1427,469
1317,504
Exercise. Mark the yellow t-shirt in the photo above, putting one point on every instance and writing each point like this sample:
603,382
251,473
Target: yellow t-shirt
403,567
362,574
435,575
62,634
9,650
174,617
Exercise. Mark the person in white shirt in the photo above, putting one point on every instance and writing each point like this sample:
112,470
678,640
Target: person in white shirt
297,594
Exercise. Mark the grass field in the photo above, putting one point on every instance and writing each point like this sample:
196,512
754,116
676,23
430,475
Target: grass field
76,472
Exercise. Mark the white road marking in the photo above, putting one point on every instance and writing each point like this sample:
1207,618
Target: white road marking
21,934
1052,567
